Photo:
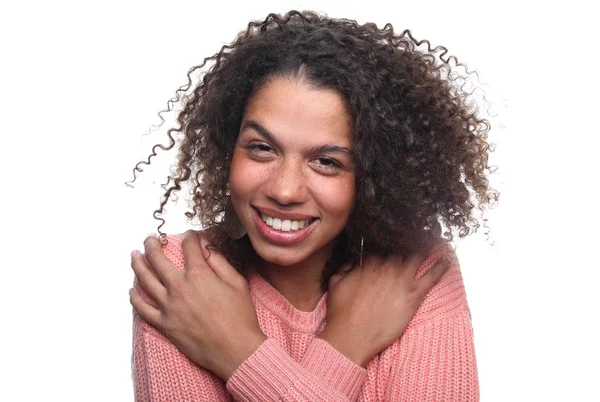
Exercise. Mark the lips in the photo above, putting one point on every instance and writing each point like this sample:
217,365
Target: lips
280,229
283,215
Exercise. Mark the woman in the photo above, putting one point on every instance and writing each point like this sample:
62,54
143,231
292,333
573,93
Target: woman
325,160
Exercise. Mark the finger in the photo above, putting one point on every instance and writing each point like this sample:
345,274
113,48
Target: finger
372,262
335,278
347,267
220,266
395,262
193,254
434,274
412,264
148,281
158,260
148,313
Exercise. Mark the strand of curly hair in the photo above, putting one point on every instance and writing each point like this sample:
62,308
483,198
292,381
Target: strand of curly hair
421,150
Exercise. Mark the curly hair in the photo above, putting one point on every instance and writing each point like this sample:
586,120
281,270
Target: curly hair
421,150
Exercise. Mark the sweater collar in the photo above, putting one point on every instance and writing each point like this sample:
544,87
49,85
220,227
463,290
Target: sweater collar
264,293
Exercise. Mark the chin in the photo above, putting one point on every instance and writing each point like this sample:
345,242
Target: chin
286,256
282,258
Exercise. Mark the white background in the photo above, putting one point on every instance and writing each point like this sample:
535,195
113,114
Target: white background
81,83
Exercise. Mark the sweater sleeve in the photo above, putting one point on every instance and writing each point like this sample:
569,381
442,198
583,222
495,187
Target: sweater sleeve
161,372
270,374
434,360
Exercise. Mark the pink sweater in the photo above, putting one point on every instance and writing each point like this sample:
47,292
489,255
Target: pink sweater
434,360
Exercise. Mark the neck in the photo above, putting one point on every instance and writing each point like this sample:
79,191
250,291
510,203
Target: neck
300,283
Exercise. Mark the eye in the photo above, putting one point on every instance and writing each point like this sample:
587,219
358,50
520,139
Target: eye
259,148
328,164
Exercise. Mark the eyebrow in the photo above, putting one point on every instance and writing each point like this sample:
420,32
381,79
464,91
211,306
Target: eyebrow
321,149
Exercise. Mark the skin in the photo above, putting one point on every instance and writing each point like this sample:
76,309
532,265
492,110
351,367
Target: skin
367,308
218,338
277,165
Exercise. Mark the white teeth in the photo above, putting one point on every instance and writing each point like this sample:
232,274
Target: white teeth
285,225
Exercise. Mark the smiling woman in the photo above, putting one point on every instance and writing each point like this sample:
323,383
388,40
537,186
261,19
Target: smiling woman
330,163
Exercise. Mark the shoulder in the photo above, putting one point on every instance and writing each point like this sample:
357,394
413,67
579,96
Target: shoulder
173,248
447,298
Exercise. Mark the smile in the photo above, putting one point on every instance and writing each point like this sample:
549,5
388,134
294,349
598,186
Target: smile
285,225
284,230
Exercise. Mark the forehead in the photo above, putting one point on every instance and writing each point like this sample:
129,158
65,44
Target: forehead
291,108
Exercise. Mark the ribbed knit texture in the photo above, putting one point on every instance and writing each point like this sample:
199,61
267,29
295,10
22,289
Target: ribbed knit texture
434,360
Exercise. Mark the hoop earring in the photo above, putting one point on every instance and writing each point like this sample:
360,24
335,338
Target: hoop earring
361,251
234,228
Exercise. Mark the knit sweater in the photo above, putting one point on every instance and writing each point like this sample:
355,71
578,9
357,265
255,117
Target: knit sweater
433,360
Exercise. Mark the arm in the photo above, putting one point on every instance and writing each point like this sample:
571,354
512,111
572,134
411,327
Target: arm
435,358
270,374
417,369
162,372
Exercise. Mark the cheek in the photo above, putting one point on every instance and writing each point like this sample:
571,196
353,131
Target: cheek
337,199
245,176
237,176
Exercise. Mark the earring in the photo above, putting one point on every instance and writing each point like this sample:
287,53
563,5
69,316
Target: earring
361,251
234,228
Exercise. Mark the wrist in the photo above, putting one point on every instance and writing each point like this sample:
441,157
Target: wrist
238,354
352,349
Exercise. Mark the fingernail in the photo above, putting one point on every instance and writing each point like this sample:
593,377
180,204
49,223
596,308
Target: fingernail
135,253
152,235
130,291
204,247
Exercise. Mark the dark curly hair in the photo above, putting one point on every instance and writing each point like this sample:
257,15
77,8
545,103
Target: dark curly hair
421,150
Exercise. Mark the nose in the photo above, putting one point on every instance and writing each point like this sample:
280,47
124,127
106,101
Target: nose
287,184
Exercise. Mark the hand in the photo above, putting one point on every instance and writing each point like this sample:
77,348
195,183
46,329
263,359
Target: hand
369,307
205,310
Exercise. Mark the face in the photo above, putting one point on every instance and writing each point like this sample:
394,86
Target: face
292,176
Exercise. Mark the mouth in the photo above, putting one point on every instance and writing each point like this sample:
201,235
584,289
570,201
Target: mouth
284,229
